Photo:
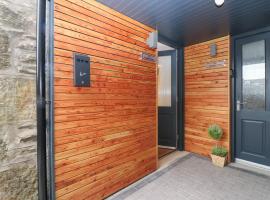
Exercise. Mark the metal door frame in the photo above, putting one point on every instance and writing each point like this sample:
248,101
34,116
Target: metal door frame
180,90
174,97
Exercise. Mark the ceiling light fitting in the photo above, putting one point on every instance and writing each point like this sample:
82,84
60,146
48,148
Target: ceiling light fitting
219,3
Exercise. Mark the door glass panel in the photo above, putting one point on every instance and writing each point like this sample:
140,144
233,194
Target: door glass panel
164,81
253,76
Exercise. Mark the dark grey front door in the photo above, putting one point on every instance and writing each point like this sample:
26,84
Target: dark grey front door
167,91
253,99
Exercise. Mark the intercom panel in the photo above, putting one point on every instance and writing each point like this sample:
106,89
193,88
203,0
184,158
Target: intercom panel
81,70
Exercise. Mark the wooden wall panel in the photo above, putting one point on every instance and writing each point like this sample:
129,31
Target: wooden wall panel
207,94
105,135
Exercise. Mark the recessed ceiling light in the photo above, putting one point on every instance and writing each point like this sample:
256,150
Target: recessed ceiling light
219,3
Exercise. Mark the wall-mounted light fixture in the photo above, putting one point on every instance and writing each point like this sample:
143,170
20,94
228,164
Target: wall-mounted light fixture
152,40
213,50
219,3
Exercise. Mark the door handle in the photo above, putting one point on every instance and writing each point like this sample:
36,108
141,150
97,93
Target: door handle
82,74
238,105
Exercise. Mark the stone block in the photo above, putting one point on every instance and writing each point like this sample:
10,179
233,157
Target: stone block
10,18
25,56
25,99
18,173
7,100
20,144
19,182
3,150
4,50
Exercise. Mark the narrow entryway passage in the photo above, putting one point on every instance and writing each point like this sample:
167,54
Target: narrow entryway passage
194,178
167,95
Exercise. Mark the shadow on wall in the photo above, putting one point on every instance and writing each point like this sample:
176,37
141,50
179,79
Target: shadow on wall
18,175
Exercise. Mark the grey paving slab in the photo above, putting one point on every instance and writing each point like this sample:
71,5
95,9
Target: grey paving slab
195,178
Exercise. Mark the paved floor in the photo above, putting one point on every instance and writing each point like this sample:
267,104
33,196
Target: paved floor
195,178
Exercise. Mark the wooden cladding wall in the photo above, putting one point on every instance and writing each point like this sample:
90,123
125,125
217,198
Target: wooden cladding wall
105,135
207,94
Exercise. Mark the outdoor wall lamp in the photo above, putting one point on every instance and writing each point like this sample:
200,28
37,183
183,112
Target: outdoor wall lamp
152,40
219,3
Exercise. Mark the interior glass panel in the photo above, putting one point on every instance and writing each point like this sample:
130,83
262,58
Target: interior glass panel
164,81
253,76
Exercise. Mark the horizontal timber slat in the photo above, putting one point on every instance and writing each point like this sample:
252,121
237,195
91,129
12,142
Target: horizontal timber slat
116,158
92,13
207,94
106,134
66,49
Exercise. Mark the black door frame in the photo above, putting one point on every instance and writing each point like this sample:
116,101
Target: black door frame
233,84
180,89
169,112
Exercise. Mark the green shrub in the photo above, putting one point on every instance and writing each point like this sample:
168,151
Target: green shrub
215,132
219,151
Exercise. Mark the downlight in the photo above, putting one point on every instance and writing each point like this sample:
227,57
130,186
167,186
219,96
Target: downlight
219,3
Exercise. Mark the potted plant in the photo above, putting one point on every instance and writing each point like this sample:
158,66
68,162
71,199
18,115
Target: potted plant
219,153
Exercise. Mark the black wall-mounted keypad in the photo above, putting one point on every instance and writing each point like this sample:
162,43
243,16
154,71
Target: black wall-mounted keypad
81,70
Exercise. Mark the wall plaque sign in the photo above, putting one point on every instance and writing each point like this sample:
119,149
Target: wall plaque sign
148,57
216,64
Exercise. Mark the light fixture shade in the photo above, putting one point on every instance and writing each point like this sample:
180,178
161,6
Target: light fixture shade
219,2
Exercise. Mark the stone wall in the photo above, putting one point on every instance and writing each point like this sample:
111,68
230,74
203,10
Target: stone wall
18,174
